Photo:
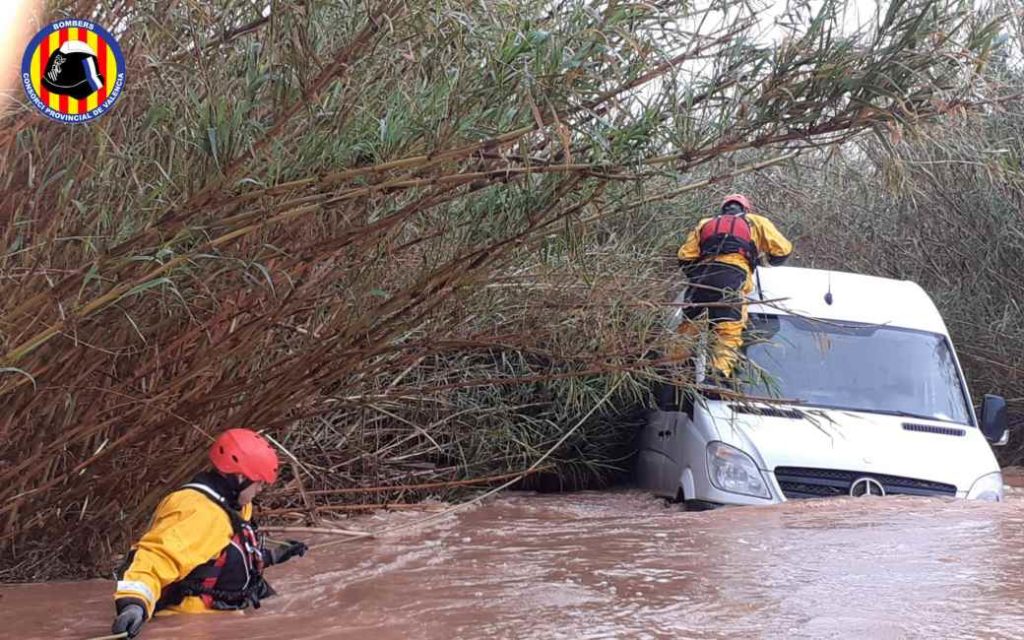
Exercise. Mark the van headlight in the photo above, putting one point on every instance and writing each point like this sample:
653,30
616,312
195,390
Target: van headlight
733,471
988,487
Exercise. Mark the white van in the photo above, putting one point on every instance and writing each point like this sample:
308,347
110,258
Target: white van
866,397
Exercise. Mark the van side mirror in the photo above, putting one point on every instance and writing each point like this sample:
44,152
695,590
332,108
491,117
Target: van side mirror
993,420
665,396
671,398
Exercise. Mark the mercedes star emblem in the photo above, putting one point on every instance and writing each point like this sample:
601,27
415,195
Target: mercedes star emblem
866,487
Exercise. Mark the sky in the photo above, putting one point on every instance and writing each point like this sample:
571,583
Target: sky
19,20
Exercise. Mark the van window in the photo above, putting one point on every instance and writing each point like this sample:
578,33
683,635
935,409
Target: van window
854,366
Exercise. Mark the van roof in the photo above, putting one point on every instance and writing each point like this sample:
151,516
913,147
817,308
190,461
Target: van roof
855,298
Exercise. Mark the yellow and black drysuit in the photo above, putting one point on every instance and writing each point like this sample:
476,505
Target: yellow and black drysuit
201,553
721,272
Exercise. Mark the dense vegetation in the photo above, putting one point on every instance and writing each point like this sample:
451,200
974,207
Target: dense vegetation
413,241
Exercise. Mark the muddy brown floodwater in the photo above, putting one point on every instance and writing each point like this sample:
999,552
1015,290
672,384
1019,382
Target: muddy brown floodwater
621,565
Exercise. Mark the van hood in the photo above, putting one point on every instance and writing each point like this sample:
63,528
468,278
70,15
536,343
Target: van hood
788,436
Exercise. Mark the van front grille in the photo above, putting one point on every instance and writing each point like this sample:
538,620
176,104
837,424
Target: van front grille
804,482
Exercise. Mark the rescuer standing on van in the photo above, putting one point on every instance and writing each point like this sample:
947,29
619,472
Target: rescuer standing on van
719,258
202,551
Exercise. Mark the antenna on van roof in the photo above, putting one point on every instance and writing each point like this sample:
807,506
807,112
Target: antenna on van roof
828,294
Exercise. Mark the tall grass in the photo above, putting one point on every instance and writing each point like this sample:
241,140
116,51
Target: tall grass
410,240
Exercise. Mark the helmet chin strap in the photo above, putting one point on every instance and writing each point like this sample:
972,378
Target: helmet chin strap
237,481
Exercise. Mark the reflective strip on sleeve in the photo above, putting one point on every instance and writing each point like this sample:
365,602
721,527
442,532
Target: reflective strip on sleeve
134,586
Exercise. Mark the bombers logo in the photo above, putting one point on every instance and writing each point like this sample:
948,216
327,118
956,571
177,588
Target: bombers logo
73,70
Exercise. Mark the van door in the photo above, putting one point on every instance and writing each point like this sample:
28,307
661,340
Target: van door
653,463
678,436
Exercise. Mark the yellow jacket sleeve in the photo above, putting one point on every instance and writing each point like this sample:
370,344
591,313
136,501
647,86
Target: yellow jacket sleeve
768,238
188,529
690,250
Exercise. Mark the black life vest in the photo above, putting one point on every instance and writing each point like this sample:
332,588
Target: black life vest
232,580
725,234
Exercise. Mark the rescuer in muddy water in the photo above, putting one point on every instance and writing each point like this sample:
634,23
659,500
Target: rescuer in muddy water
202,552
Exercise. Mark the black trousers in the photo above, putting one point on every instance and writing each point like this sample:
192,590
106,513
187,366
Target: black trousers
716,284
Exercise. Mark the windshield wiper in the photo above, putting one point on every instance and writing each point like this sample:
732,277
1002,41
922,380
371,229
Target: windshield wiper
903,414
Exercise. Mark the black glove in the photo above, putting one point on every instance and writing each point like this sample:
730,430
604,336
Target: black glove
287,550
130,618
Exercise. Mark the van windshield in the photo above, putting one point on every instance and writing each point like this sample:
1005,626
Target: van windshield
854,366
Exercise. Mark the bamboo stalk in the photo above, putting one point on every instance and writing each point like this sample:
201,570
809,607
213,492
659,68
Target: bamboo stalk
375,506
317,531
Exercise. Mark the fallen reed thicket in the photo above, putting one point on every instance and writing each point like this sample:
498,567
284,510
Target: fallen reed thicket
411,241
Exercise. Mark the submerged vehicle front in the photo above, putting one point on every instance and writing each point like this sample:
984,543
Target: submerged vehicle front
857,392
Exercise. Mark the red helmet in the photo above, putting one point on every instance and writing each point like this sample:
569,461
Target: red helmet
245,452
741,199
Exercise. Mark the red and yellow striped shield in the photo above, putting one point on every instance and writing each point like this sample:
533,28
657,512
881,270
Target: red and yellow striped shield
73,70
